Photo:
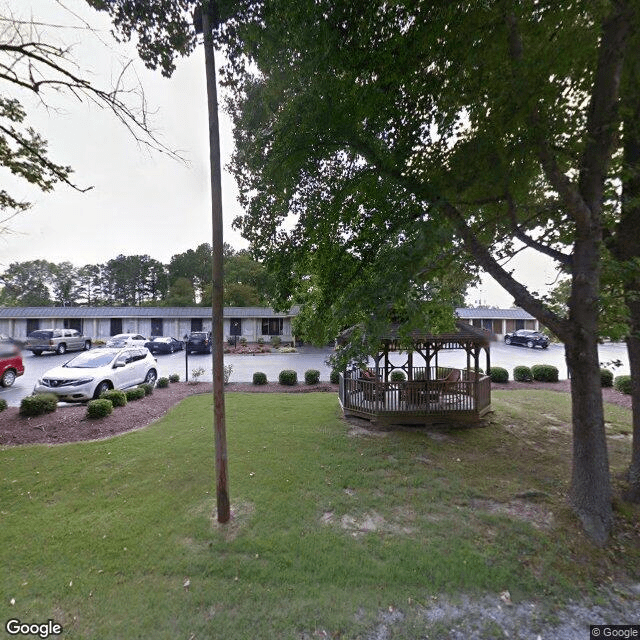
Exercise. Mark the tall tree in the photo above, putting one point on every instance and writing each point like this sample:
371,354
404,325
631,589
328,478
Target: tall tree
389,126
134,280
66,285
195,265
28,284
90,289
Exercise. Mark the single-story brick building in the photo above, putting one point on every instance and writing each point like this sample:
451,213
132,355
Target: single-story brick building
241,322
498,321
102,322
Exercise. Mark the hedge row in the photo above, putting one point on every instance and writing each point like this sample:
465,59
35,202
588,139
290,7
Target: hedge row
290,378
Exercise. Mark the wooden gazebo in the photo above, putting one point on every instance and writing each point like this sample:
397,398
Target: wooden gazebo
430,392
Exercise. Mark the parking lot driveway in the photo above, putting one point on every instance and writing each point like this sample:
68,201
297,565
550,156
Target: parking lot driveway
510,356
244,366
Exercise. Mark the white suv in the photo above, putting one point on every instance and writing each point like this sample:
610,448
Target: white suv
91,373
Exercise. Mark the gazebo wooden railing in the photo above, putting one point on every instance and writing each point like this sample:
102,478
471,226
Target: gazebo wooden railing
425,398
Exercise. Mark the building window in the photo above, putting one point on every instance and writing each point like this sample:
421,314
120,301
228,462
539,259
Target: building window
157,328
196,324
115,326
235,327
519,325
32,325
73,323
272,326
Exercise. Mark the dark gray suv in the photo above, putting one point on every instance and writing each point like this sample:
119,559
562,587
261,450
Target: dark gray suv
198,342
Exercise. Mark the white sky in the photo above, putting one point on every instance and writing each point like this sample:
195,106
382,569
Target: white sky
142,202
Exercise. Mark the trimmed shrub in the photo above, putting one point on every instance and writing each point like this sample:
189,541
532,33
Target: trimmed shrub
137,393
311,376
3,404
174,377
397,376
288,377
623,384
162,383
606,378
100,408
118,398
334,376
544,373
259,378
499,374
38,404
276,341
522,374
148,388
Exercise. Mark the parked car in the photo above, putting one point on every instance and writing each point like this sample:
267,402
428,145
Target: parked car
126,340
57,340
11,365
198,342
89,374
527,338
164,344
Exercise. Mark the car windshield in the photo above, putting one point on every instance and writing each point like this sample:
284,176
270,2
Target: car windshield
198,335
160,340
91,360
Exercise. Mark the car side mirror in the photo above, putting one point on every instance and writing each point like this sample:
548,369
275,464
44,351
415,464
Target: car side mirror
118,364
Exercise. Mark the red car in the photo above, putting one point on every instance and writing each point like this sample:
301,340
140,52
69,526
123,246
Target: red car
11,365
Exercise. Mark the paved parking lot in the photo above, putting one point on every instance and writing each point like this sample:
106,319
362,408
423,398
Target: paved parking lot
244,366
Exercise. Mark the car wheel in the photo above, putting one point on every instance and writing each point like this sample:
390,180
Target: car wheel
101,388
8,378
151,377
62,349
87,345
530,344
507,340
37,353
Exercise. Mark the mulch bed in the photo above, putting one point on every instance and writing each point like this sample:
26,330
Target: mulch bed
70,423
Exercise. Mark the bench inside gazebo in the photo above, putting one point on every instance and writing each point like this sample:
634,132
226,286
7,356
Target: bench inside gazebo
430,392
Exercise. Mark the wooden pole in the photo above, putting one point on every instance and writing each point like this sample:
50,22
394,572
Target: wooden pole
217,305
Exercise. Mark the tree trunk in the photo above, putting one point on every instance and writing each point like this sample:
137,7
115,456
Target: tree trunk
625,247
633,348
590,492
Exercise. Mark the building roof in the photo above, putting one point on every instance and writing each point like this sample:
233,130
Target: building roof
140,312
484,313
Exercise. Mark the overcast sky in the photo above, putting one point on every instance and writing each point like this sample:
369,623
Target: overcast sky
141,201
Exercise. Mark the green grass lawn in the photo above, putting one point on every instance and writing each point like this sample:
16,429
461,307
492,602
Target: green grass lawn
329,527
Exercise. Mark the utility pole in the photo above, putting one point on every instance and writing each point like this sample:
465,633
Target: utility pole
207,12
